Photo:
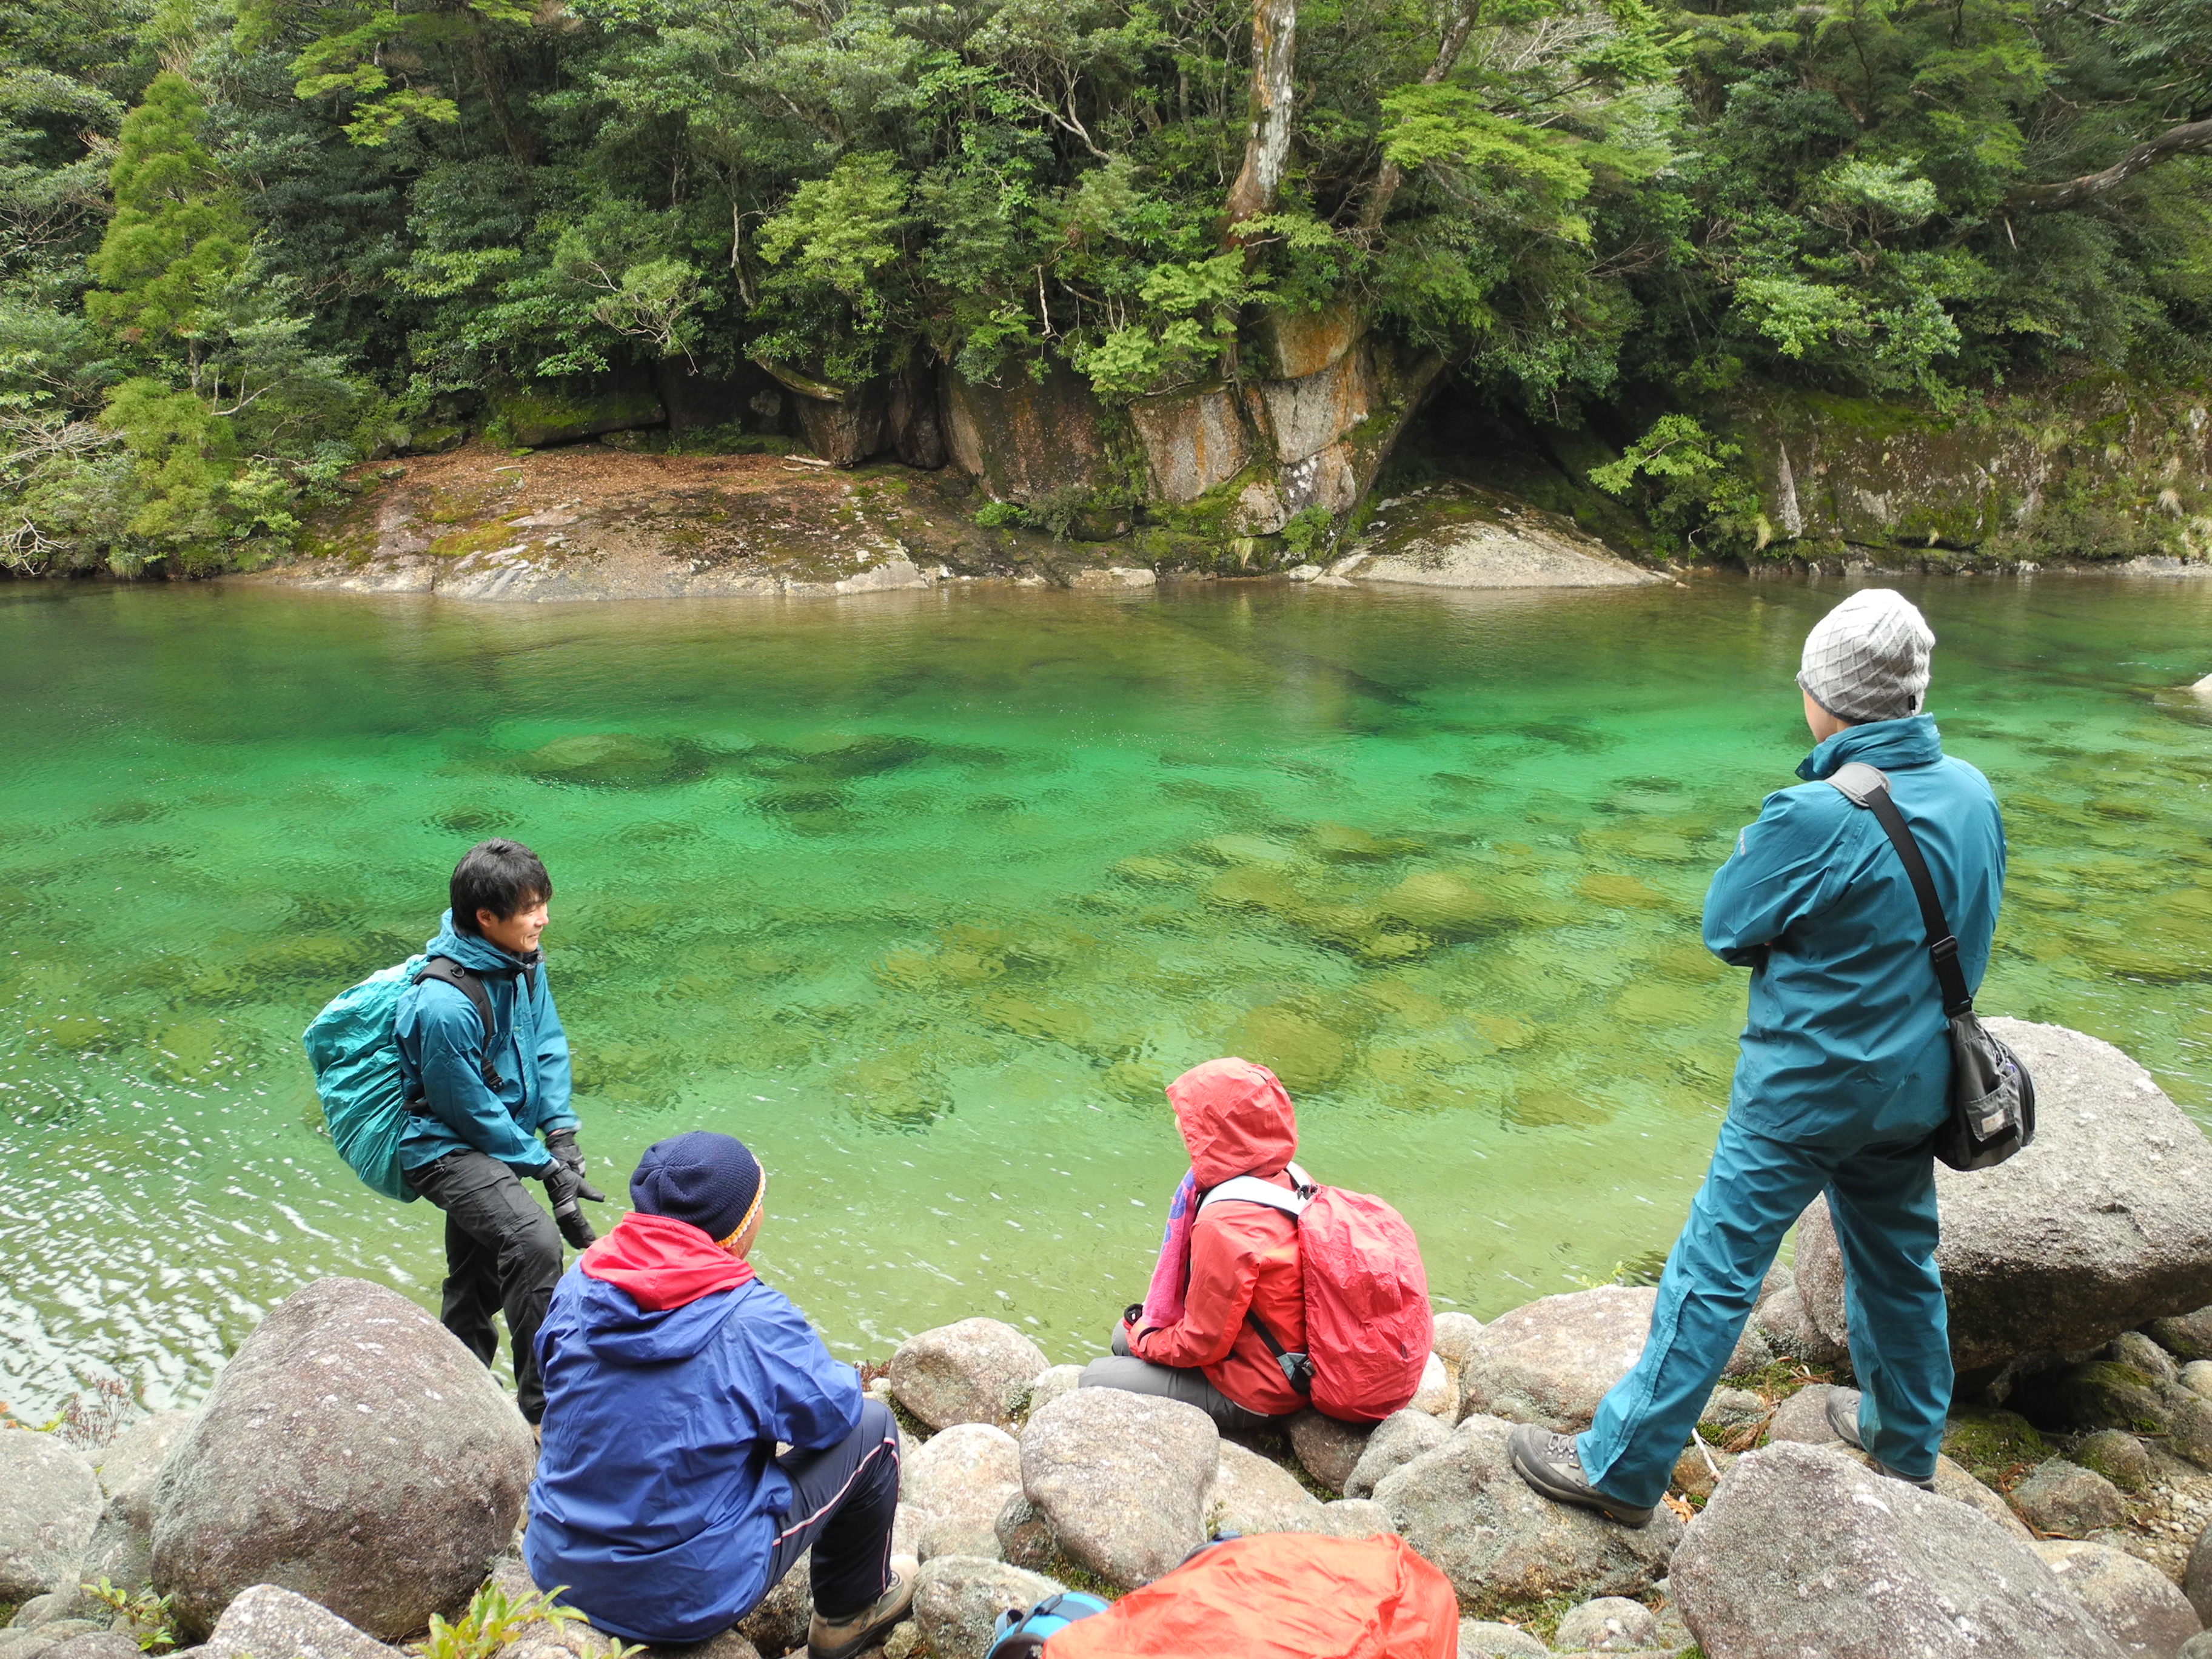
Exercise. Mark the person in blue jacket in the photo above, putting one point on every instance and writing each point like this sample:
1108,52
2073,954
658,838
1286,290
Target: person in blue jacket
483,1086
662,1503
1841,1079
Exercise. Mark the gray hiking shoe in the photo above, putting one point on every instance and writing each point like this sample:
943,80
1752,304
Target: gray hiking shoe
847,1637
1550,1463
1842,1406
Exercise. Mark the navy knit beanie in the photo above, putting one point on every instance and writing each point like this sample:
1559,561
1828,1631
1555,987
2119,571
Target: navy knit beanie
707,1179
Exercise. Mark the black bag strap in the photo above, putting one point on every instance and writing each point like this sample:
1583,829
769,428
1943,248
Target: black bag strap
447,971
1298,1367
1869,786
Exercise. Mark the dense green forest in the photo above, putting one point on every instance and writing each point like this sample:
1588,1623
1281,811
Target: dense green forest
246,244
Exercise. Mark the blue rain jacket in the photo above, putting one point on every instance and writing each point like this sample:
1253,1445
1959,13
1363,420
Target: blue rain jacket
441,1042
658,1497
1846,1041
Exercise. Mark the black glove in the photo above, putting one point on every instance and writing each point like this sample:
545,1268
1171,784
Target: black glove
561,1143
563,1186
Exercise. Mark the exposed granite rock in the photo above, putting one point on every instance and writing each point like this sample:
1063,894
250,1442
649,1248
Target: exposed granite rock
1121,1480
1251,1494
2104,1223
2065,1499
1803,1551
974,1370
1329,1450
352,1450
1050,1383
1610,1624
264,1621
1483,1638
1463,1507
1398,1439
2138,1605
50,1502
957,1598
2119,1457
1550,1361
1193,440
952,1487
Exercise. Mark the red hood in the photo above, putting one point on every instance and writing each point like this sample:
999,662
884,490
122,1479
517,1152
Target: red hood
663,1262
1235,1118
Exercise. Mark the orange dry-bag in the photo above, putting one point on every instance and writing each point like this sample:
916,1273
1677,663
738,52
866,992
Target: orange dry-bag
1279,1596
1369,1326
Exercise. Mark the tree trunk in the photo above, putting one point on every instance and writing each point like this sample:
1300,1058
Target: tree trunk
2192,138
1387,180
1267,145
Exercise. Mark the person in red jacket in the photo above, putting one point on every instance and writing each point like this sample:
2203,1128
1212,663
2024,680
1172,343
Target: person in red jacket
1226,1268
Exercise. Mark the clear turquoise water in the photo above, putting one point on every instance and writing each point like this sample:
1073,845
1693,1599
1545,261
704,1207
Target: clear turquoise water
926,895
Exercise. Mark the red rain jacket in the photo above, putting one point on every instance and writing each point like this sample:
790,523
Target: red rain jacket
1236,1119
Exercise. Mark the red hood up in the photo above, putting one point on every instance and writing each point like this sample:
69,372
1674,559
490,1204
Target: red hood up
663,1262
1236,1119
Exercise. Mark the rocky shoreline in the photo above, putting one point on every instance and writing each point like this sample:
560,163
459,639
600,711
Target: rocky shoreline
353,1472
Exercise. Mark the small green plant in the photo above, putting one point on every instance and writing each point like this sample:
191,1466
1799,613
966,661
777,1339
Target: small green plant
1694,497
148,1615
1001,515
1305,532
493,1620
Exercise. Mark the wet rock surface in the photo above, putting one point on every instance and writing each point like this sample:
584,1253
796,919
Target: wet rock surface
351,1450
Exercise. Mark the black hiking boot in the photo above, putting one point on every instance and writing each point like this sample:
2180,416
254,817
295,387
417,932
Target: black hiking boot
1842,1406
1550,1463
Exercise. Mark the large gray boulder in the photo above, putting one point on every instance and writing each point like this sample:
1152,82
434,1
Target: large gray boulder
265,1621
1550,1361
1482,1638
2138,1605
975,1371
1463,1507
128,1465
2196,1577
1252,1494
957,1598
1398,1439
351,1450
1121,1480
952,1486
50,1501
2103,1224
1804,1551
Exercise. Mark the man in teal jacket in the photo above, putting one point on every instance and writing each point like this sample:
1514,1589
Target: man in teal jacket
1843,1077
480,1093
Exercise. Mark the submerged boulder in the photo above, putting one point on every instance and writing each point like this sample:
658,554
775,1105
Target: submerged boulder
1121,1480
1463,1507
1805,1551
974,1370
2103,1224
351,1450
50,1502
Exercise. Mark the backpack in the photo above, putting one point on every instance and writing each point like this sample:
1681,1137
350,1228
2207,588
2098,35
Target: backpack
356,1055
1019,1635
1280,1595
1369,1326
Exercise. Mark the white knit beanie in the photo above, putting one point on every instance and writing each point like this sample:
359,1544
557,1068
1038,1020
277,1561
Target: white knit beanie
1868,658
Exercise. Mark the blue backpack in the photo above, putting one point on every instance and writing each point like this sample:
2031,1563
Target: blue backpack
1020,1635
356,1055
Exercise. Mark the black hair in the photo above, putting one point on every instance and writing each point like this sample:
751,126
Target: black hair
502,877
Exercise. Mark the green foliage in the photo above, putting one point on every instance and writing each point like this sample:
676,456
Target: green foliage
493,1620
1696,501
151,1622
179,235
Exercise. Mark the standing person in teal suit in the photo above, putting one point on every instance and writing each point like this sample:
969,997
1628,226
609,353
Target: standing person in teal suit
1843,1078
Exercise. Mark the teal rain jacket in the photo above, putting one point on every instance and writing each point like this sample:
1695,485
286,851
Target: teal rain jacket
1847,1039
440,1042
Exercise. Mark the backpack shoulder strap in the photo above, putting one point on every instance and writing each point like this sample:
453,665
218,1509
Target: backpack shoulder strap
1866,785
447,971
1253,1190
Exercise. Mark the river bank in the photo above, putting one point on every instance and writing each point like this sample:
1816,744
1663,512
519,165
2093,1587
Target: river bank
354,1456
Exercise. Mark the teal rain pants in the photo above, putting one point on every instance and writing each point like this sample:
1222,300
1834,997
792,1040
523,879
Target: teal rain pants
1883,1200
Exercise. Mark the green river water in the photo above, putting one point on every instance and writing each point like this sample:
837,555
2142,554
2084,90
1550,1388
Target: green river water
927,895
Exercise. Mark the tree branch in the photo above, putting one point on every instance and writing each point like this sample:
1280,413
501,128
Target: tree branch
2191,138
1387,180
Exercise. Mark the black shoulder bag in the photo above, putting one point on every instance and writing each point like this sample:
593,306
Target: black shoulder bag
1993,1097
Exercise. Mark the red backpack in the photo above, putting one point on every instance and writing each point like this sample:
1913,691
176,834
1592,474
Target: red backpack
1368,1327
